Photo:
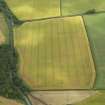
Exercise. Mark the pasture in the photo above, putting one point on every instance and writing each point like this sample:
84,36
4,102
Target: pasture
97,99
96,33
73,7
32,9
55,54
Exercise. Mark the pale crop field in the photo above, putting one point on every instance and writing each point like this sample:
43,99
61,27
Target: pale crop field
32,9
73,7
96,33
35,9
55,54
62,97
5,101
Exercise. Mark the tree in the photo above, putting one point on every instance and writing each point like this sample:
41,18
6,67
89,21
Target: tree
8,13
11,85
91,11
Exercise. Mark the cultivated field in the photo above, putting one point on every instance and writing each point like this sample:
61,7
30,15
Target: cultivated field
4,101
55,54
3,30
62,97
96,33
72,7
97,99
32,9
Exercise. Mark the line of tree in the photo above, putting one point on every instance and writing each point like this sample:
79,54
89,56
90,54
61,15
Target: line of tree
8,13
11,85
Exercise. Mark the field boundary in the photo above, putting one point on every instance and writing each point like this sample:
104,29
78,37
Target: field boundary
93,55
63,16
60,7
32,90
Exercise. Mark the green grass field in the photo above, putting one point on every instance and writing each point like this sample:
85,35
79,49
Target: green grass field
96,33
98,99
3,30
32,9
72,7
55,54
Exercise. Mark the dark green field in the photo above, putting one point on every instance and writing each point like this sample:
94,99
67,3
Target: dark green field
96,32
97,99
